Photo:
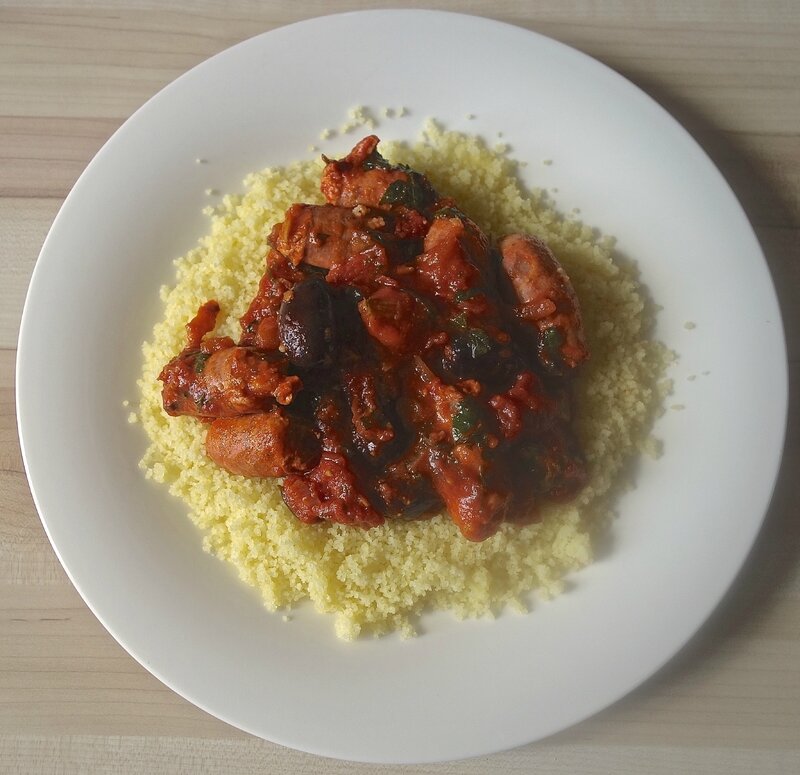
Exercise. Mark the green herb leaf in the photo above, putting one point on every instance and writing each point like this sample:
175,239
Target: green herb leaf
478,341
375,162
200,362
413,192
200,398
460,320
552,340
466,419
449,212
470,293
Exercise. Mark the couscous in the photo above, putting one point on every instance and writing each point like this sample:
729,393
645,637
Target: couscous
384,578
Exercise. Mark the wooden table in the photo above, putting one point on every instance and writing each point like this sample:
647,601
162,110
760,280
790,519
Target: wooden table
72,700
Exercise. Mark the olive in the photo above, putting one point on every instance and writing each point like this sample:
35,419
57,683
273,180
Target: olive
303,443
472,354
306,324
405,494
414,499
349,327
372,407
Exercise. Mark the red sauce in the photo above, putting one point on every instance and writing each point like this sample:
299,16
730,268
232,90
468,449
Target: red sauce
394,361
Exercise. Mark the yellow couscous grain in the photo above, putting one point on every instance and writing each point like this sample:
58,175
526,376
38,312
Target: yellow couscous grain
381,580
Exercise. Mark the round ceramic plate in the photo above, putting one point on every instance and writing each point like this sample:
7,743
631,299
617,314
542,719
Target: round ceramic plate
461,688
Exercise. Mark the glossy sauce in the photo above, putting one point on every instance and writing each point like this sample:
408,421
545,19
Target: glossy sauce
394,362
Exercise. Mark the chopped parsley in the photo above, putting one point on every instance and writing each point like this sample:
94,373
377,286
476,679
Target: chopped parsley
470,293
551,341
478,342
460,320
466,419
412,192
449,212
200,362
375,162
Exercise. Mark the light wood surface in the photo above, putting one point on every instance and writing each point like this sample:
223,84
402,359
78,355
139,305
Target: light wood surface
71,700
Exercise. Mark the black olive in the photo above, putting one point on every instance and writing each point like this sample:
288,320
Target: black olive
304,449
472,354
412,497
377,454
351,333
306,324
551,461
385,417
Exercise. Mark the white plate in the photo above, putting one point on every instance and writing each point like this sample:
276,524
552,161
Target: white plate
460,689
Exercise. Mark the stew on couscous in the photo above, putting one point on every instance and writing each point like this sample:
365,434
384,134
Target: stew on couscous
393,360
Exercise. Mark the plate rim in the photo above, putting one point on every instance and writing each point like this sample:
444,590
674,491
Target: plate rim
387,13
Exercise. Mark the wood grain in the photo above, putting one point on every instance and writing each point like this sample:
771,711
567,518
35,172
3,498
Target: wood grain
71,700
